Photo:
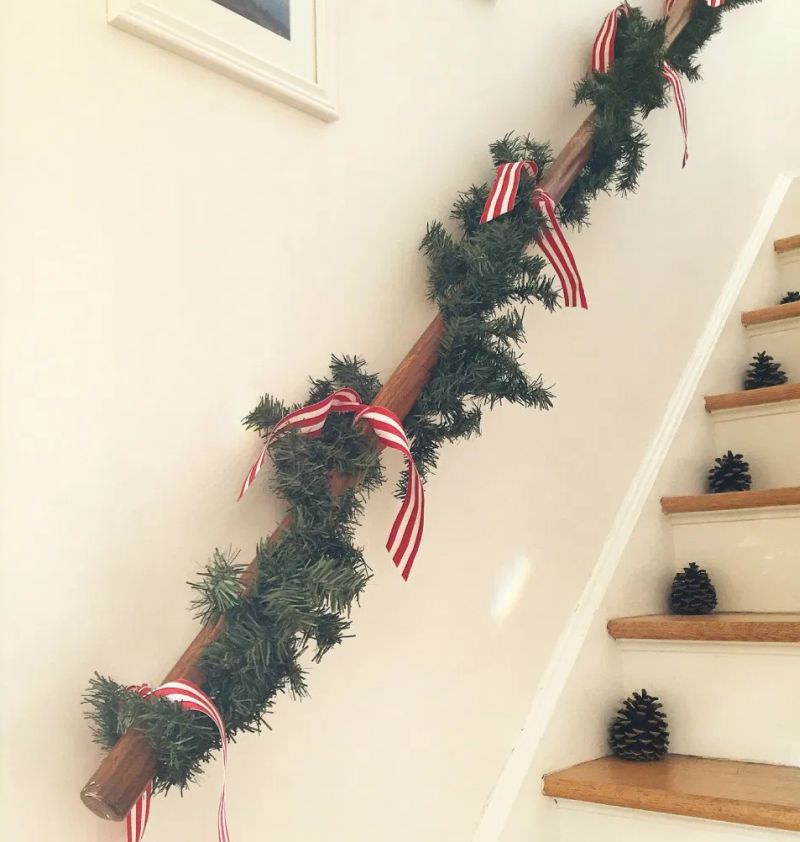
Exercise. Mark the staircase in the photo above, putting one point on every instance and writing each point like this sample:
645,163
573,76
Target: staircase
730,681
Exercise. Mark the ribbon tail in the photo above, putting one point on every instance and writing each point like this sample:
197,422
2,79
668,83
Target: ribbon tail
668,72
136,820
556,249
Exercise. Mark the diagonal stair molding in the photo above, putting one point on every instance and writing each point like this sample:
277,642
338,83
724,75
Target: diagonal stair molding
121,777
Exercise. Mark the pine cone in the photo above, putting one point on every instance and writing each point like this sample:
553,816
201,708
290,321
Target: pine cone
730,473
793,295
640,730
692,592
763,372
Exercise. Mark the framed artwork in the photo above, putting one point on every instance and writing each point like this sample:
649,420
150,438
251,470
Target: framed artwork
281,47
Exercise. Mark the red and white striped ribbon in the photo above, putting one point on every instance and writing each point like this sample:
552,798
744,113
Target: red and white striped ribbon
714,4
556,249
501,199
604,43
603,49
406,532
190,697
503,194
309,420
680,103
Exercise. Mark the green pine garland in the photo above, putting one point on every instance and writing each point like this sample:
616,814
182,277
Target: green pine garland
480,279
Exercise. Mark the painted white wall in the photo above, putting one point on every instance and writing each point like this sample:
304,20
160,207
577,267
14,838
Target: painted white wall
173,244
637,579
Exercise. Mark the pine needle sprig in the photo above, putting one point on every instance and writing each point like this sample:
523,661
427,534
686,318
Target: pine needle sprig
219,587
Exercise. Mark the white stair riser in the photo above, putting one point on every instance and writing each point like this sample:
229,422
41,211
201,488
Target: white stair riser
782,341
734,700
753,556
789,272
769,438
597,823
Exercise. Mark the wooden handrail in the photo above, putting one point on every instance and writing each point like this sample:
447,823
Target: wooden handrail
123,774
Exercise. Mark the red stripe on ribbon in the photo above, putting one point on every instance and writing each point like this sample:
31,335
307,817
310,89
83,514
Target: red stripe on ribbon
604,43
553,243
556,249
309,420
190,697
406,532
680,103
503,193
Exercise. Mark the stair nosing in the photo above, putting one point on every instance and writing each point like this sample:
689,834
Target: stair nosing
722,627
731,501
784,393
767,315
785,245
644,795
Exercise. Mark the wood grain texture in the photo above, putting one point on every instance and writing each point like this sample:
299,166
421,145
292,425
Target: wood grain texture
771,314
722,627
754,794
753,397
787,244
119,780
731,500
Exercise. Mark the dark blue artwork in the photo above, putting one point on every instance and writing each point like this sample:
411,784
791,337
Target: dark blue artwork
271,14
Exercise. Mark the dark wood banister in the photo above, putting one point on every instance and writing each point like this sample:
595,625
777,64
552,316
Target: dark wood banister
123,774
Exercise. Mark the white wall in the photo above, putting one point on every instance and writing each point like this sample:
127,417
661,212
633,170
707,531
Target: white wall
173,244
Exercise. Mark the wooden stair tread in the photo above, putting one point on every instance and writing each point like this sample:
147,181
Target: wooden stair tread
787,244
753,397
771,314
731,500
743,628
722,790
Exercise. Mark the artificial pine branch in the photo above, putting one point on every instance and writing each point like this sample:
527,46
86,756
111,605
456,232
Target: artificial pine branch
622,97
219,587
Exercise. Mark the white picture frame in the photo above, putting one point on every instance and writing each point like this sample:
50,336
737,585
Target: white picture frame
298,71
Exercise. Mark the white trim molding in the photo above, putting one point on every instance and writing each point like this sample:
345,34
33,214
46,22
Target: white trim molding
717,648
759,410
258,60
592,819
556,673
735,515
778,326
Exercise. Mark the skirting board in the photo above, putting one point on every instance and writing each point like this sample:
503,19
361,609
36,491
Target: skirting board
565,654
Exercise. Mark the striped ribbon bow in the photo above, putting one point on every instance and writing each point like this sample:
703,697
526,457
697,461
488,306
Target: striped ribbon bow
604,43
190,697
556,249
501,199
503,193
680,103
603,49
406,532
